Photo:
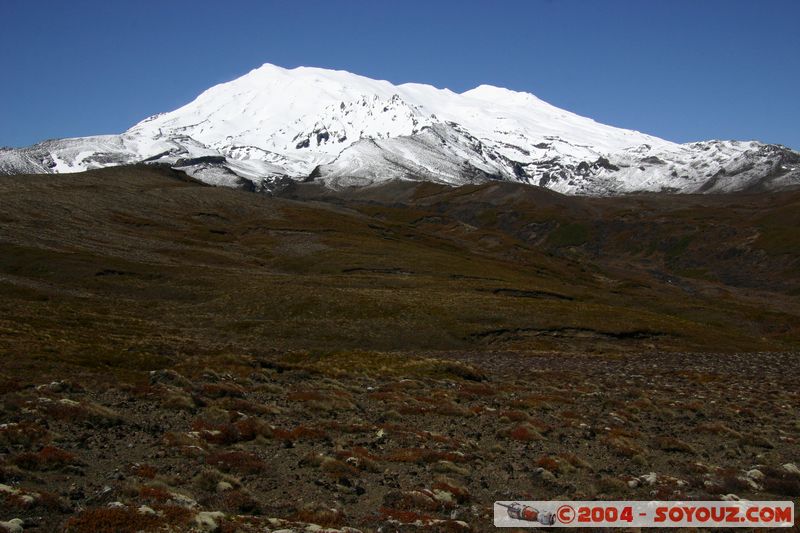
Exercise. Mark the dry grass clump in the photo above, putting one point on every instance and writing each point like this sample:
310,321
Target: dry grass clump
673,444
524,432
623,442
755,440
209,480
554,464
236,461
178,400
611,486
576,461
90,413
169,377
320,515
514,415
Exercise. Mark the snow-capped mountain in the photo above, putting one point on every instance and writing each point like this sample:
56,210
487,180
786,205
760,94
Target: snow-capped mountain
274,124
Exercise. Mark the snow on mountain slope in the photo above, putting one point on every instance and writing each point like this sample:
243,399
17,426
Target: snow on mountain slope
346,129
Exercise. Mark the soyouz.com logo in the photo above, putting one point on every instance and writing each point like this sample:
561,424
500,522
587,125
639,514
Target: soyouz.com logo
643,514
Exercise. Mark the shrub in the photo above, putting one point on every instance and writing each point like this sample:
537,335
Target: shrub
673,444
319,515
90,413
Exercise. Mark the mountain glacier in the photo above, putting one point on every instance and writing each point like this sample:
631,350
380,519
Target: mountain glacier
274,124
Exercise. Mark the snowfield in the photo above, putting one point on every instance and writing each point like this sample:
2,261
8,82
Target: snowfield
348,130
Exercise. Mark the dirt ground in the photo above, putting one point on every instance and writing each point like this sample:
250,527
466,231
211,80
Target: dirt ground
392,442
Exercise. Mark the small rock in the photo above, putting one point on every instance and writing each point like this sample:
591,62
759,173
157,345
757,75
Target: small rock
207,520
13,526
791,468
633,483
223,486
755,474
443,496
116,505
650,478
146,510
182,500
5,489
68,402
548,476
730,498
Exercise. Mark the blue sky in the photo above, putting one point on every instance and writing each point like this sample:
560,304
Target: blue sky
680,69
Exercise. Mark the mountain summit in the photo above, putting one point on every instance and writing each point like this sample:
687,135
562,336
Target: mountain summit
274,124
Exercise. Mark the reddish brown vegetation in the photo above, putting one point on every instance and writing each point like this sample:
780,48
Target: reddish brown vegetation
236,461
48,458
422,455
125,520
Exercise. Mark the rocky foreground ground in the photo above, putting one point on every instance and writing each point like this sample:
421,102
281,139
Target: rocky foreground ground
389,441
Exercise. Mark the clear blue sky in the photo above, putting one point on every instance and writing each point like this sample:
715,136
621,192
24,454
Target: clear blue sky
680,69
